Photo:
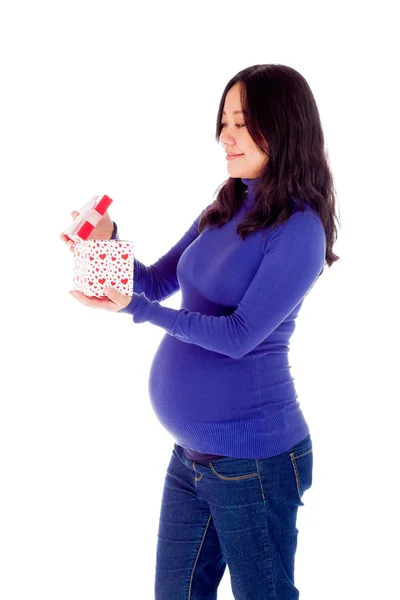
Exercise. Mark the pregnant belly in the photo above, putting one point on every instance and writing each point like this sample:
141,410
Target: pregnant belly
190,383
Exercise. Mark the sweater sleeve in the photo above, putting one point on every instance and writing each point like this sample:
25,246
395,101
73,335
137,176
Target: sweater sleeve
114,235
293,260
159,281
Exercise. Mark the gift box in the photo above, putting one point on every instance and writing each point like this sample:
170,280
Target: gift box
100,264
89,215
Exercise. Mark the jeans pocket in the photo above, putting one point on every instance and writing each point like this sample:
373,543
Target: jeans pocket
302,463
234,469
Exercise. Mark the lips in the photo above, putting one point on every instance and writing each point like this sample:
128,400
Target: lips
233,156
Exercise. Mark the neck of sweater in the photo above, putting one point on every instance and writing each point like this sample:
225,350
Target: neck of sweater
252,185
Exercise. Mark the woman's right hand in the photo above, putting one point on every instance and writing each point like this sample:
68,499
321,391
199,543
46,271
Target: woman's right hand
102,231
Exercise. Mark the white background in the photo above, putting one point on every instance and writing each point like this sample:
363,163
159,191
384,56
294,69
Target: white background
121,98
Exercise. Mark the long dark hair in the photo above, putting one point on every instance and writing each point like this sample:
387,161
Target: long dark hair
279,109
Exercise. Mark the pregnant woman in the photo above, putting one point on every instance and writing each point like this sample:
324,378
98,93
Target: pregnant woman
220,381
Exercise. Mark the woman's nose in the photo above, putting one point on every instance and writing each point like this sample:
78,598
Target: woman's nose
227,138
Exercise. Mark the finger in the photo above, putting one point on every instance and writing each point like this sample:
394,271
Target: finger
119,300
113,295
74,214
70,243
66,238
92,302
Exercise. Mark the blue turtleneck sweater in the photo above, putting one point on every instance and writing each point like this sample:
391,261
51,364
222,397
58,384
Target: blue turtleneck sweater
220,381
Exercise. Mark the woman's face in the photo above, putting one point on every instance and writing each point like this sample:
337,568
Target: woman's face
236,139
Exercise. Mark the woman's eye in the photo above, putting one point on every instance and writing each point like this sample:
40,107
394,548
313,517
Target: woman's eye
237,125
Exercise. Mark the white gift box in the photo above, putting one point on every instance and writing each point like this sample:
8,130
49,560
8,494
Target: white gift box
100,264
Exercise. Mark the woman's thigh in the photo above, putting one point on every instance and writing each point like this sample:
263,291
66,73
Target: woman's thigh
189,562
254,504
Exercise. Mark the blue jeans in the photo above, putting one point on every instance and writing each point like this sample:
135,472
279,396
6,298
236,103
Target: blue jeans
238,512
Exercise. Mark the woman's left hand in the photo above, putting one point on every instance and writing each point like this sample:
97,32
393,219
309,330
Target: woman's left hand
115,303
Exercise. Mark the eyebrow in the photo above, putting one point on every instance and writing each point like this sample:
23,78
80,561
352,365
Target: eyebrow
235,112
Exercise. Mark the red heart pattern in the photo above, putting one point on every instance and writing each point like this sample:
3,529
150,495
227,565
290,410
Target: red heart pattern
90,279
